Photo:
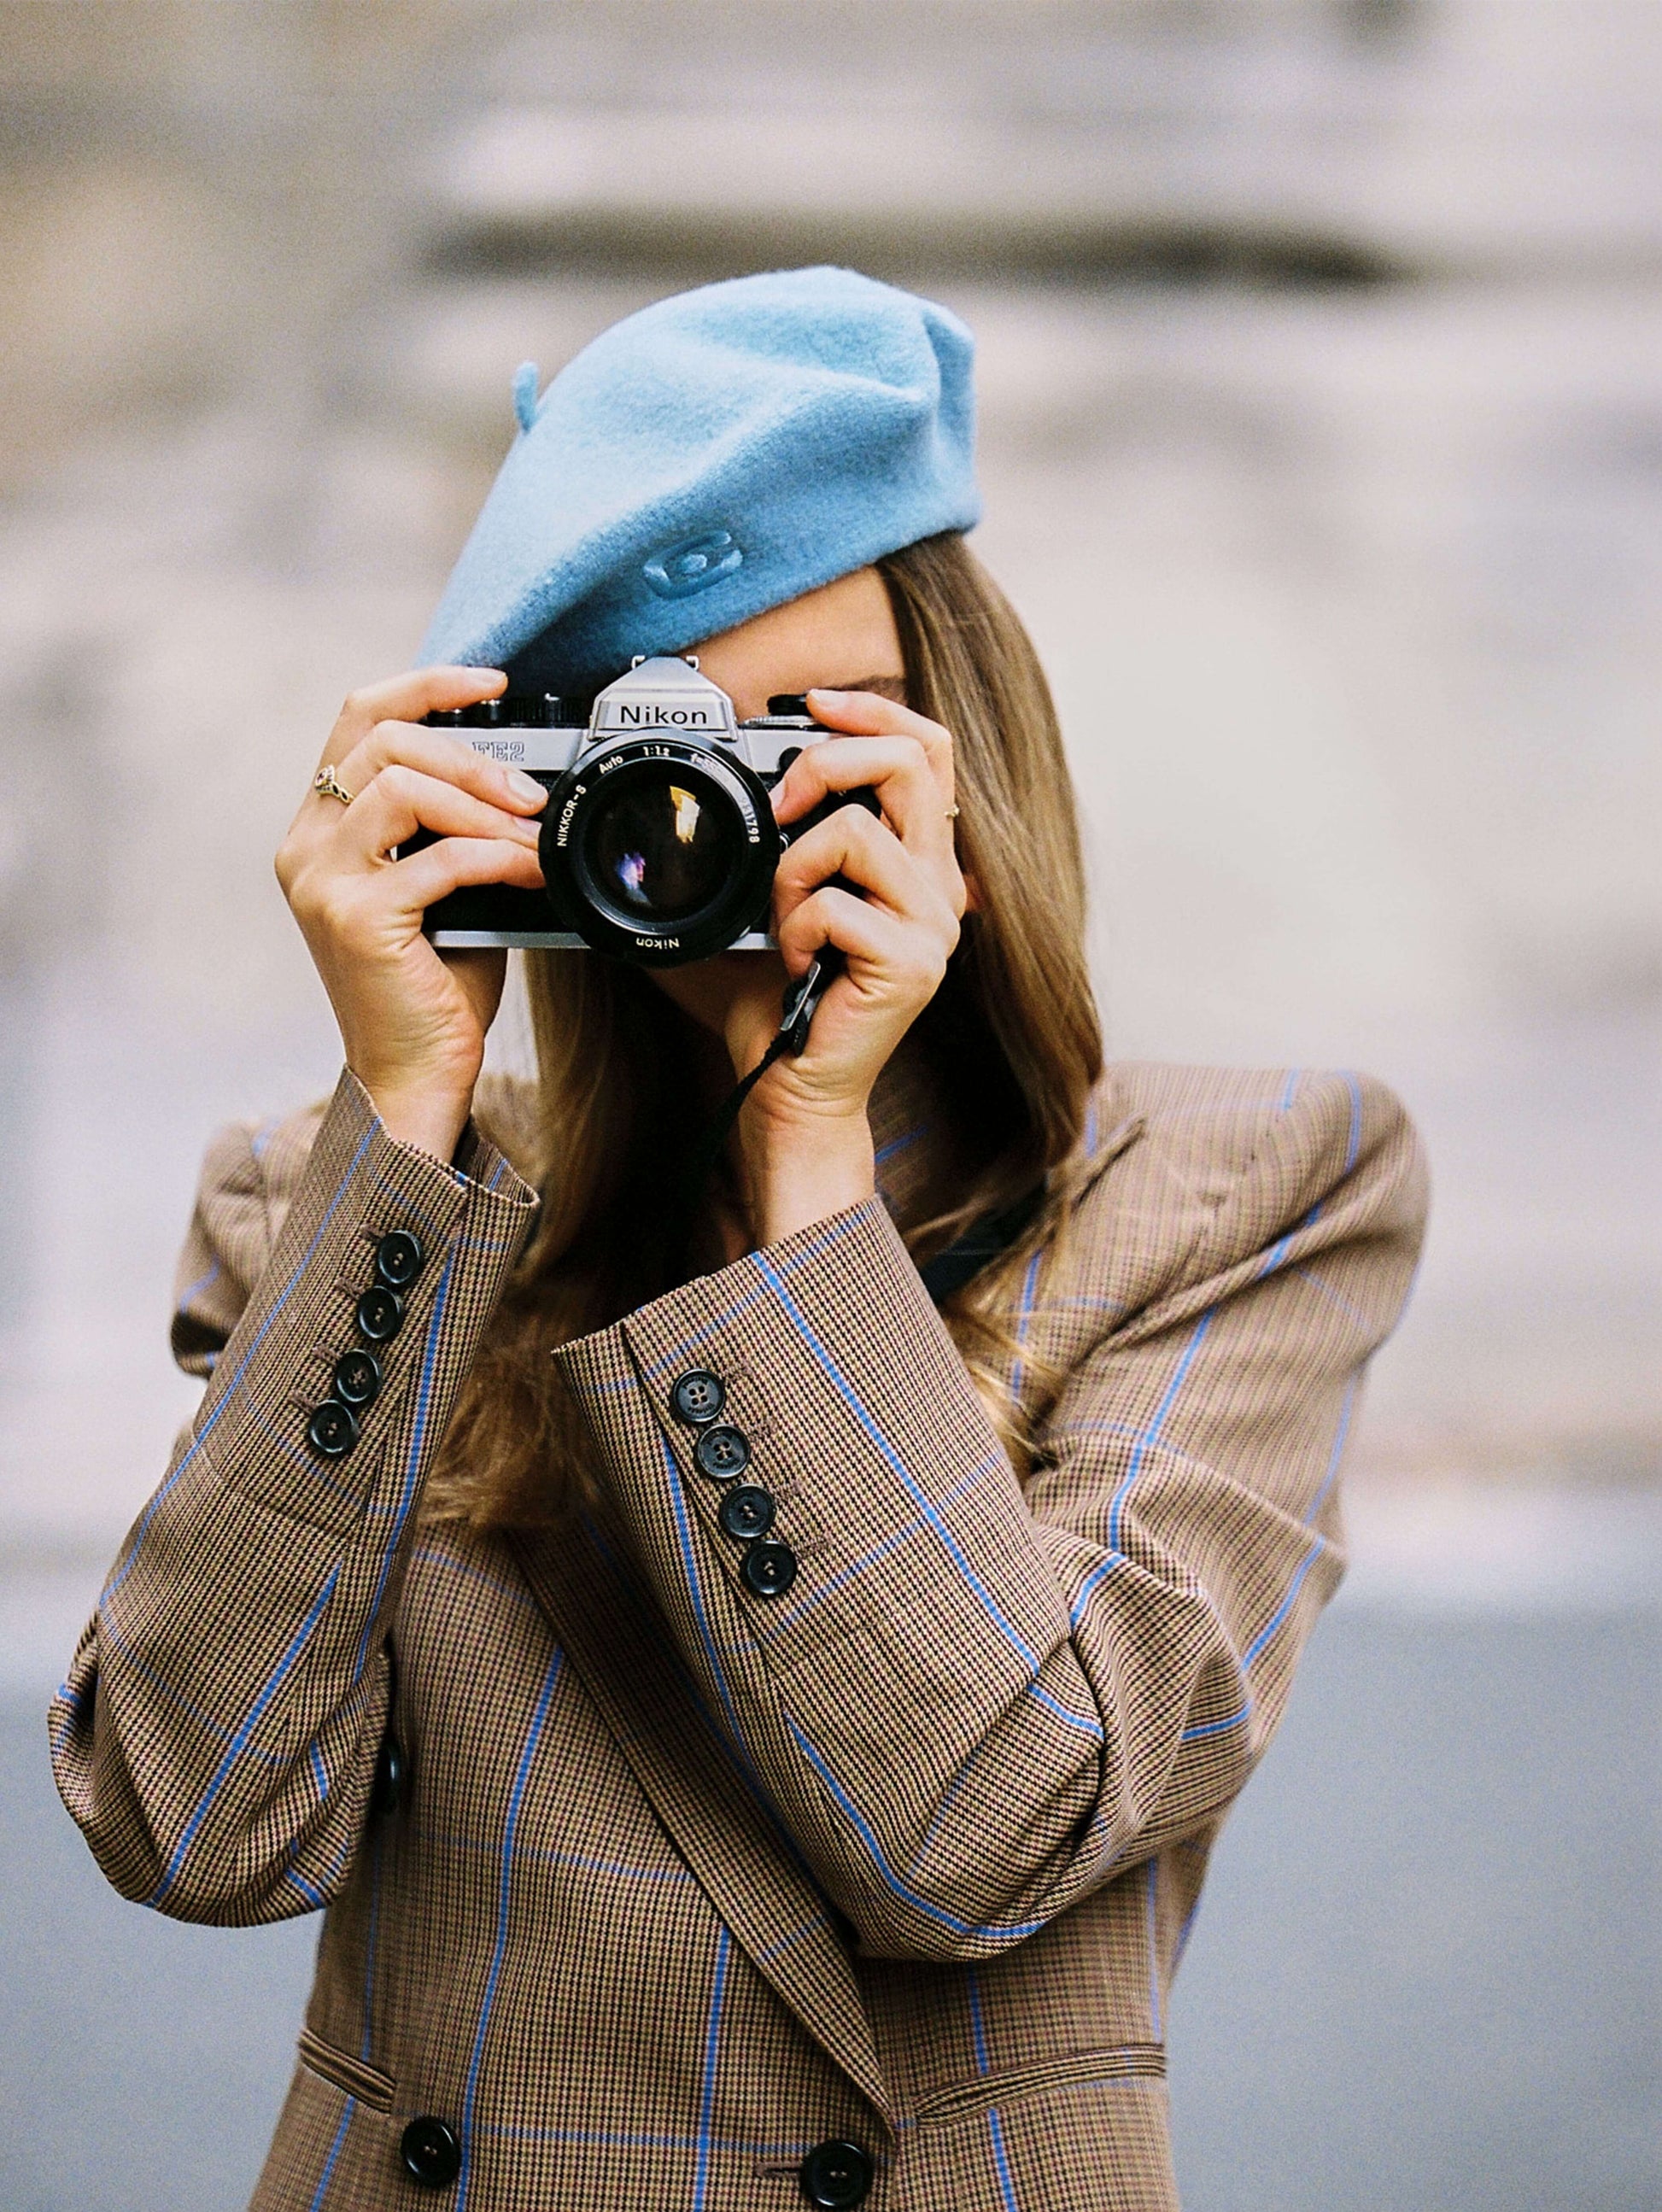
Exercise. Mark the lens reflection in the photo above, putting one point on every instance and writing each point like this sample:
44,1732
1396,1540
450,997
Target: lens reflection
660,851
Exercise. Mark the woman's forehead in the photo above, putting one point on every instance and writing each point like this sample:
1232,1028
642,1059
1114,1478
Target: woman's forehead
843,635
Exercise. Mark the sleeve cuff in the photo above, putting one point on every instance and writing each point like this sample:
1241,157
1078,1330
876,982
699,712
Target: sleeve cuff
862,1425
386,1269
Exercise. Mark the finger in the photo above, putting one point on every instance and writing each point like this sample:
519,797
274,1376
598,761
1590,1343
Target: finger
851,844
908,784
406,698
443,755
881,947
869,714
400,800
421,879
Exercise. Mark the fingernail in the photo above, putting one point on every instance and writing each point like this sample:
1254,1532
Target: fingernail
525,787
819,691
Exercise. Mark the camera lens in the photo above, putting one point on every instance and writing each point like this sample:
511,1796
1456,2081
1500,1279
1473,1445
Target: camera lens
661,845
660,849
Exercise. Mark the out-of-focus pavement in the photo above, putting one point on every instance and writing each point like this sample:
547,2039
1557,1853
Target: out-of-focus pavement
1322,437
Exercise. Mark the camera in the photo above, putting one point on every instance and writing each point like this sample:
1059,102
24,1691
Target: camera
658,844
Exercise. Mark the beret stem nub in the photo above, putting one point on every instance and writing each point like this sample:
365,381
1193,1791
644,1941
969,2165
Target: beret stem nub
527,379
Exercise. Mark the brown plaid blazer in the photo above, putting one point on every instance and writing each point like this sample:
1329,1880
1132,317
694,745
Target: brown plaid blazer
644,1885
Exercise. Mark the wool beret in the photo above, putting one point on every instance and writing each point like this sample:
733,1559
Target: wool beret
717,454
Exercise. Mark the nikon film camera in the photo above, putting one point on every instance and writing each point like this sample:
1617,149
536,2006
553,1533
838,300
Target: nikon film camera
658,844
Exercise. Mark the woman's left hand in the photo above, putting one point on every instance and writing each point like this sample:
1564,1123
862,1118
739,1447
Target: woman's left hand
806,1141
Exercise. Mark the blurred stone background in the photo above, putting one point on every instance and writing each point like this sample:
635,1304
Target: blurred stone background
1321,368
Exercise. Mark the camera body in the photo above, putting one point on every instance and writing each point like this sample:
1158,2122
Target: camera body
658,844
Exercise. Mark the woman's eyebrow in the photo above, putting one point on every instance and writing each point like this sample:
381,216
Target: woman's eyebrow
886,687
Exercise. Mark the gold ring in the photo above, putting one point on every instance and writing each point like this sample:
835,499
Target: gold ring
327,784
952,814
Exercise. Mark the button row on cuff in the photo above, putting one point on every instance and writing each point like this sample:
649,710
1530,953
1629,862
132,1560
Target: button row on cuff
332,1427
768,1566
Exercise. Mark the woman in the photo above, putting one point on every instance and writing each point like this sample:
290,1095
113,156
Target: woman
756,1736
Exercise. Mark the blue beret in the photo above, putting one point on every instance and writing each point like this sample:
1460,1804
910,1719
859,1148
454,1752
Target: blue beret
715,455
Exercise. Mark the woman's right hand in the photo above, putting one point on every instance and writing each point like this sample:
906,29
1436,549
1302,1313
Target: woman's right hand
412,1020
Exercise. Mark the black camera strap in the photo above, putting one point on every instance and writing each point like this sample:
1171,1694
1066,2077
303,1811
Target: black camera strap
801,1003
967,1255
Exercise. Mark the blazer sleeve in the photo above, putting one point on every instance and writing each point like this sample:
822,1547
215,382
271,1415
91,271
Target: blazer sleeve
218,1736
976,1704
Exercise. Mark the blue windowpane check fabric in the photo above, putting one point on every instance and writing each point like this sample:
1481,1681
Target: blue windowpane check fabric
684,1883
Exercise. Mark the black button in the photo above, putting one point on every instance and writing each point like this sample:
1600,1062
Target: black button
432,2156
837,2176
387,1793
767,1570
699,1397
358,1378
722,1452
379,1312
398,1259
747,1511
332,1430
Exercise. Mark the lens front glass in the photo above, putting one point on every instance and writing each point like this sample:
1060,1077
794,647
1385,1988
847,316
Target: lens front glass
661,844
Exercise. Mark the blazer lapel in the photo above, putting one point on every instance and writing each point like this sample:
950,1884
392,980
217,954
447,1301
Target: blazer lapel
745,1862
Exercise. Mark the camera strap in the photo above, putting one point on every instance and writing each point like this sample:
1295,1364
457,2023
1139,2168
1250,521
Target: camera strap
981,1242
801,1003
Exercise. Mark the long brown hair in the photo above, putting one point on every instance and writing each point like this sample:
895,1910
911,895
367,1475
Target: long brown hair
1011,1039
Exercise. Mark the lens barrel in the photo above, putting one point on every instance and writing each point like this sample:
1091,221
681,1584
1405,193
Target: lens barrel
660,850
